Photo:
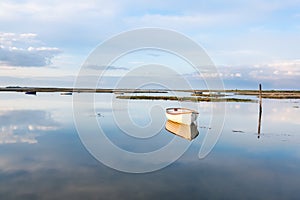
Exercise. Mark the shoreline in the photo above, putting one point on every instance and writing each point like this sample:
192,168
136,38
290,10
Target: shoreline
201,95
191,99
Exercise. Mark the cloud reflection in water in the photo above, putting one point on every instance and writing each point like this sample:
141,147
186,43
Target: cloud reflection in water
23,126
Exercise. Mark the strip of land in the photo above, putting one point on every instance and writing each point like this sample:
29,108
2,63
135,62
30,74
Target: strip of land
77,90
192,99
267,94
271,94
195,95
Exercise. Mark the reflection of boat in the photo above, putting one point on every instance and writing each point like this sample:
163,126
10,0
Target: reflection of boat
31,92
182,115
66,93
188,132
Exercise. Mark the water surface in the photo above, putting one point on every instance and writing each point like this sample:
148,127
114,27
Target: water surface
42,157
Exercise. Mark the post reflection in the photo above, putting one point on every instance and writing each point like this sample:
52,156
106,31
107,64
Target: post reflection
185,131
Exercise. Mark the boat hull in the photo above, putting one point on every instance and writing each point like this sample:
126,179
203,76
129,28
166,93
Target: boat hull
66,93
183,116
31,93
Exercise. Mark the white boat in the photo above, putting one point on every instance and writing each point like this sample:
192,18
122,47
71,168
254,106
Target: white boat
182,115
188,132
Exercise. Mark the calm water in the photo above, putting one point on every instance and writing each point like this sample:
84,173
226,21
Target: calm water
42,157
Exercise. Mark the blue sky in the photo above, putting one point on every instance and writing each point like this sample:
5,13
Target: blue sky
45,42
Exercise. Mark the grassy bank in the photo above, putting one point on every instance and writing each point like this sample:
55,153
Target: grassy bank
268,94
192,99
197,95
78,90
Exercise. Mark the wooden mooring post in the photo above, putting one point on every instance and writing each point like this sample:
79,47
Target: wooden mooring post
260,111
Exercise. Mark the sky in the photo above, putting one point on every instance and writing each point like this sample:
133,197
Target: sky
45,42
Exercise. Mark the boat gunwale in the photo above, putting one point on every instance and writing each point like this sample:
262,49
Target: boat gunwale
180,113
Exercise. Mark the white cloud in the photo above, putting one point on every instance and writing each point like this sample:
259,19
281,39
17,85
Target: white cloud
102,68
279,69
238,75
285,73
179,21
43,49
274,75
16,50
65,24
55,9
9,40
